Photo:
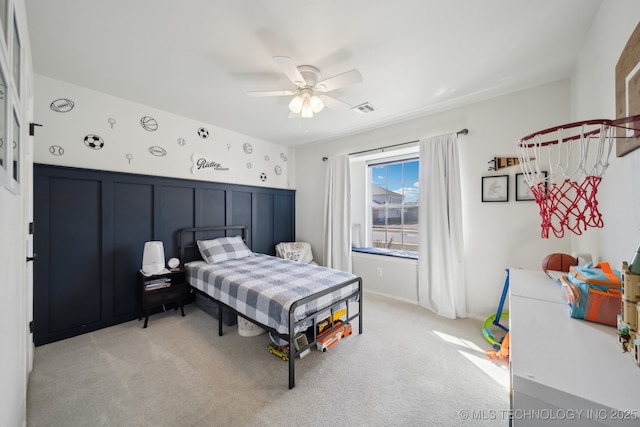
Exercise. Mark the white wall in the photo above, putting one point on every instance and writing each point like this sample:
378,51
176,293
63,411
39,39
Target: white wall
378,272
127,144
593,96
497,235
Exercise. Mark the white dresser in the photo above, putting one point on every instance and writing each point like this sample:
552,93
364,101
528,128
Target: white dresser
565,371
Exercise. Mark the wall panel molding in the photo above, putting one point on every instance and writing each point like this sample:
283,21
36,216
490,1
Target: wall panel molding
91,227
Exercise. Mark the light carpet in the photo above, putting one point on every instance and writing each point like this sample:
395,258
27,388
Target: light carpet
409,368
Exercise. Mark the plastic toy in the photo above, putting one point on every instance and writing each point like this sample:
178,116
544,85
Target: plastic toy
486,329
503,351
494,319
329,338
282,351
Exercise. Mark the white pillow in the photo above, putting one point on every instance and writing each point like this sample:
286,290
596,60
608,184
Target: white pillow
223,249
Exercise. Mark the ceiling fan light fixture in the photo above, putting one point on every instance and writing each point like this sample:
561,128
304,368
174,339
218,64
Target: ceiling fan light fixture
308,81
296,104
316,104
307,111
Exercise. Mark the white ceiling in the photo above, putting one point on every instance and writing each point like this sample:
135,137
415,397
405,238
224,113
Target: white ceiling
198,58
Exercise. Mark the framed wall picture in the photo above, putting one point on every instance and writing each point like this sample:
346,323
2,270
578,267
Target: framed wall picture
523,192
627,87
495,188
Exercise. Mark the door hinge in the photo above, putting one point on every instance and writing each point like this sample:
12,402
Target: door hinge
31,327
30,228
32,128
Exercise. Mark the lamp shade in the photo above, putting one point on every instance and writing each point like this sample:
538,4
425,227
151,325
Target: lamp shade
306,111
296,104
153,257
316,104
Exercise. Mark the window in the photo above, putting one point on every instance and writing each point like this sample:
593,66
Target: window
394,204
5,170
12,72
5,166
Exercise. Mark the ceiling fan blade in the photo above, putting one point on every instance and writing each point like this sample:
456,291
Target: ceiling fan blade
336,82
290,69
270,93
334,104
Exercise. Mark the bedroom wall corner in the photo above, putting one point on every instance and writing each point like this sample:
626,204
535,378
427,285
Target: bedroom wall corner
497,235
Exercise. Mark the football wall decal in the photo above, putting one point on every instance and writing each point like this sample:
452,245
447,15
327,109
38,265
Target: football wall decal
62,105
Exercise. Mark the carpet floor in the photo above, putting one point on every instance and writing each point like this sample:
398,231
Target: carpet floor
408,368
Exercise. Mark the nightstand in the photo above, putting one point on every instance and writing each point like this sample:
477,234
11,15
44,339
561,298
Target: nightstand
161,289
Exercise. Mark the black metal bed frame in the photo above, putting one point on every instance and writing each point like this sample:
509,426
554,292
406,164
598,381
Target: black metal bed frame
290,336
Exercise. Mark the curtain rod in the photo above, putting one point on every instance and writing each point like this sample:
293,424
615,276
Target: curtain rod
461,132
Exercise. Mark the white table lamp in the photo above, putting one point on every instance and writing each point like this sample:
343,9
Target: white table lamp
153,257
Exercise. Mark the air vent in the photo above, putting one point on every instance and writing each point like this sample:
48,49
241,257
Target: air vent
364,108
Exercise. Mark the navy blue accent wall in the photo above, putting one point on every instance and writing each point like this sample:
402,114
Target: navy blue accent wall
91,226
80,200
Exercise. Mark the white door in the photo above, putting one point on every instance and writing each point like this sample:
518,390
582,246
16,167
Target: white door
27,188
20,118
16,209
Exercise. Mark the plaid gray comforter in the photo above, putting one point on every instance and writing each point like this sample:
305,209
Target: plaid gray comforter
263,287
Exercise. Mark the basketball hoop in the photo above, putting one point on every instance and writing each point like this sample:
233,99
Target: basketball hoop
564,172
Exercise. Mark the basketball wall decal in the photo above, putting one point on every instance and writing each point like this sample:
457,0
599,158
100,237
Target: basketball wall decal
62,105
93,141
248,148
149,124
278,170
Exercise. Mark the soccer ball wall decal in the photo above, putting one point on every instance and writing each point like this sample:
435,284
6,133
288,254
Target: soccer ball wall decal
263,176
93,141
203,133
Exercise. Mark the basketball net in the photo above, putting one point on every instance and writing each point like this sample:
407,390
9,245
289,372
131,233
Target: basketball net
563,166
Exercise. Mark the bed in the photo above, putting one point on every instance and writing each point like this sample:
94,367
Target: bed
284,297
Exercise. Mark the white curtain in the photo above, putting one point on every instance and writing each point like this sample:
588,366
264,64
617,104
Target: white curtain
441,286
337,214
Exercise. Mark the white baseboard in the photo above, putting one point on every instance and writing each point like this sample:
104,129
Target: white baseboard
394,297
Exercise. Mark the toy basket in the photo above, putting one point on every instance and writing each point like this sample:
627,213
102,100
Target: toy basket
248,329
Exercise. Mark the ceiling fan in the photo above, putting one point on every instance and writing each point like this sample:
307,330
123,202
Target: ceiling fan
307,80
